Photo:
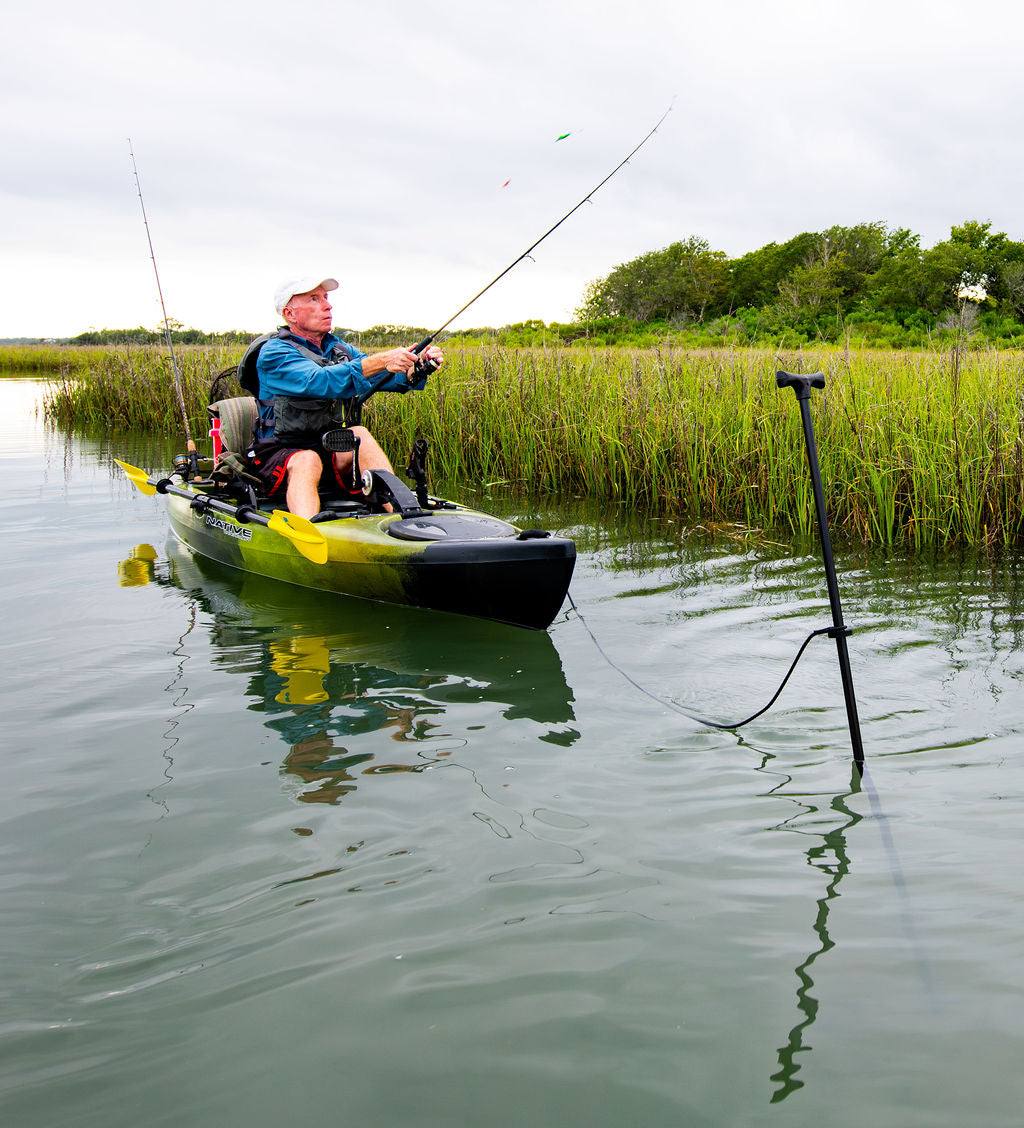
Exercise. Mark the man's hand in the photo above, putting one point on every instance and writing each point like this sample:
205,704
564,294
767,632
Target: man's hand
416,368
399,360
429,361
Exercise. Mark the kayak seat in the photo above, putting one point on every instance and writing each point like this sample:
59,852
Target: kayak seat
237,417
232,422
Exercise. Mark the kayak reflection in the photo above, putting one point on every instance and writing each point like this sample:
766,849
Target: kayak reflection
334,675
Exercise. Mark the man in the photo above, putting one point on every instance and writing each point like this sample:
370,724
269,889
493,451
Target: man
302,371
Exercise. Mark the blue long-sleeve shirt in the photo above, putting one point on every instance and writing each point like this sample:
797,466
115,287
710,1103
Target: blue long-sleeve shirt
284,371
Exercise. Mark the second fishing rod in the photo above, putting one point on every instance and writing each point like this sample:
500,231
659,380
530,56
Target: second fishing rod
193,455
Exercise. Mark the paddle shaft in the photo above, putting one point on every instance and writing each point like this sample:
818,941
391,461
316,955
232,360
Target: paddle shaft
246,514
304,535
801,386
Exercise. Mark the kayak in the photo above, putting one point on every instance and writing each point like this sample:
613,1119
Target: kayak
441,556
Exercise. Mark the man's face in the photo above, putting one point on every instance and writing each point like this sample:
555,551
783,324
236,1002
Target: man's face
309,313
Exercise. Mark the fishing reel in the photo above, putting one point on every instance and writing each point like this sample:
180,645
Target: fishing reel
424,367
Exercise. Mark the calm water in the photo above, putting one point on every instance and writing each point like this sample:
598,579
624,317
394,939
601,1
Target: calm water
271,857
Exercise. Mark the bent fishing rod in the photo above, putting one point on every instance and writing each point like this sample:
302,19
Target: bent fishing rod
533,246
193,456
425,367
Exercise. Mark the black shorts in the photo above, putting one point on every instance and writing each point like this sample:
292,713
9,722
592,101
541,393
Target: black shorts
270,464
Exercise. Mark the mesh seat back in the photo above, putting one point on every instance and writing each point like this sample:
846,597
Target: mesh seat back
237,417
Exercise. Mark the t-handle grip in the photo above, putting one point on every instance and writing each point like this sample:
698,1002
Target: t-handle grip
800,384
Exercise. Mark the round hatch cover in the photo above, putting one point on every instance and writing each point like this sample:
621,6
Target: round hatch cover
451,526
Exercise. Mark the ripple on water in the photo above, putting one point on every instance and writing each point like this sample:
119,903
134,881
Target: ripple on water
476,875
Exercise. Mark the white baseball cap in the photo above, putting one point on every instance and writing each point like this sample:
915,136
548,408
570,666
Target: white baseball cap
287,290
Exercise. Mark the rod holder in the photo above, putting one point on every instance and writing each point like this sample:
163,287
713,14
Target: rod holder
802,385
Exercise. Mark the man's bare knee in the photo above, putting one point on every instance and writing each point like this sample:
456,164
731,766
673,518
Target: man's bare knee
304,463
371,457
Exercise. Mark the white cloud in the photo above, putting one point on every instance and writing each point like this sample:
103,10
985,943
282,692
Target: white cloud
373,140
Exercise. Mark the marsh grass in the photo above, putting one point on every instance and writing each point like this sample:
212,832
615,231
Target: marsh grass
53,360
47,360
134,388
915,447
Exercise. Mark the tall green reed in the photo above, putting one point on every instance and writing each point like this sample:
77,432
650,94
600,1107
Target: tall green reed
913,447
47,360
134,389
910,450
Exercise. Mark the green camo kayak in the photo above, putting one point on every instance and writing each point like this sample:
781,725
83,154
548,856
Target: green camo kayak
445,557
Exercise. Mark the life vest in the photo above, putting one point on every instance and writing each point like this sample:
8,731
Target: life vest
296,421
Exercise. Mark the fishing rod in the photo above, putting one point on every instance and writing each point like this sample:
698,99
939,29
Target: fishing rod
193,456
550,230
526,254
425,367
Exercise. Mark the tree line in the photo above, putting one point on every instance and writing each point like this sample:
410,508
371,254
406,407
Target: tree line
180,335
868,280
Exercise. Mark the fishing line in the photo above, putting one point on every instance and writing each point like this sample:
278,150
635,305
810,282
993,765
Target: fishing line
830,631
193,456
526,254
425,367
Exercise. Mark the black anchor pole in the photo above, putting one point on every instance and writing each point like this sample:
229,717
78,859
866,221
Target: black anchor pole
801,386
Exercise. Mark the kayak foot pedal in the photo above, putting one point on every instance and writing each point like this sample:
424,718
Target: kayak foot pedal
341,440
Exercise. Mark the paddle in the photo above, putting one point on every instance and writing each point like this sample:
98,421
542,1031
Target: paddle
138,478
306,537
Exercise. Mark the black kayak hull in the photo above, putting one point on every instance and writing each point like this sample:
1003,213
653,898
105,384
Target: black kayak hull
496,573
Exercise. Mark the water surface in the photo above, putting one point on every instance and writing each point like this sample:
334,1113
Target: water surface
272,856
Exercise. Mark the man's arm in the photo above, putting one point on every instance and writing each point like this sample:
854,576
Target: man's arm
283,370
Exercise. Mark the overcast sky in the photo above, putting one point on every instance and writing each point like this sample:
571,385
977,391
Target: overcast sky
371,141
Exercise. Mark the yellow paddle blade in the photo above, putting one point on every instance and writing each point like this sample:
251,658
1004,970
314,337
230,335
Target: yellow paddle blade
138,478
306,537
